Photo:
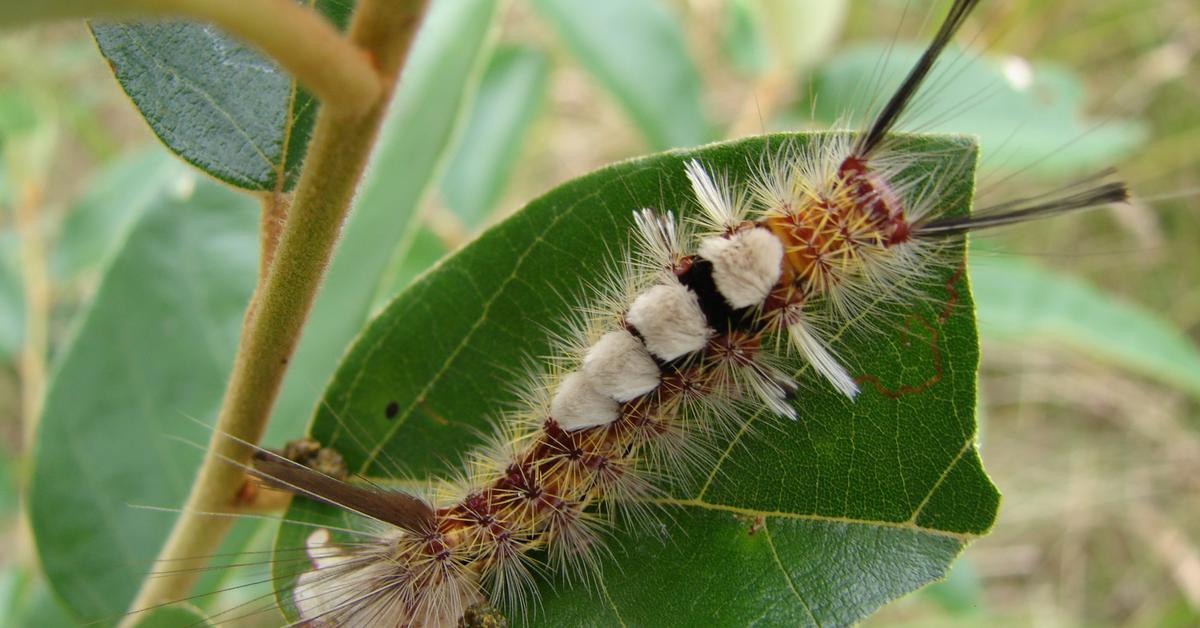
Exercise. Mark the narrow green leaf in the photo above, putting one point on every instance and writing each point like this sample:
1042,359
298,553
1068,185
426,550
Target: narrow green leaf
12,297
12,580
1022,113
172,617
742,38
10,498
1021,302
240,591
860,501
790,34
18,114
5,186
961,594
154,349
413,141
26,600
10,470
112,201
636,50
507,99
421,254
215,101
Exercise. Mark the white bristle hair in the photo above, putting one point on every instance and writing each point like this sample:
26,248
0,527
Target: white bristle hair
723,207
657,247
821,358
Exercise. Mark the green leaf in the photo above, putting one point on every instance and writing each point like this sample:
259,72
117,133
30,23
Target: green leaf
237,589
507,99
789,34
172,617
421,254
1040,123
742,39
18,114
636,50
5,186
215,101
961,593
154,349
12,297
12,581
860,501
10,497
1021,302
414,139
26,600
112,201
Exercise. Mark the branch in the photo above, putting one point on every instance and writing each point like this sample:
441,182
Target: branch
337,154
298,38
274,216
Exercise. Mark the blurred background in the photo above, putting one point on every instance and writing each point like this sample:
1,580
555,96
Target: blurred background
1090,380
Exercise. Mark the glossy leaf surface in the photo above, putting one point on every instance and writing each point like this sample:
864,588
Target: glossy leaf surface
215,101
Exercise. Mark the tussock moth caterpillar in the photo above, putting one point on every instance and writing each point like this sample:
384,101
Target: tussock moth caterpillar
691,334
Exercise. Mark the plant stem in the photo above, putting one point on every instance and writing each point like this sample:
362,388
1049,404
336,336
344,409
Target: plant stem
337,154
295,36
275,206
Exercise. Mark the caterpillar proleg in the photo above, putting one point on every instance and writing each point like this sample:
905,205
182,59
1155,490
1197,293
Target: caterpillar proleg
694,334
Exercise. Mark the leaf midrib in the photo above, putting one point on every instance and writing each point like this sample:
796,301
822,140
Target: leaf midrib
751,512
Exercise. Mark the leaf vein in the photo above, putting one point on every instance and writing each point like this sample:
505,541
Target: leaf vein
901,525
612,604
787,577
941,478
